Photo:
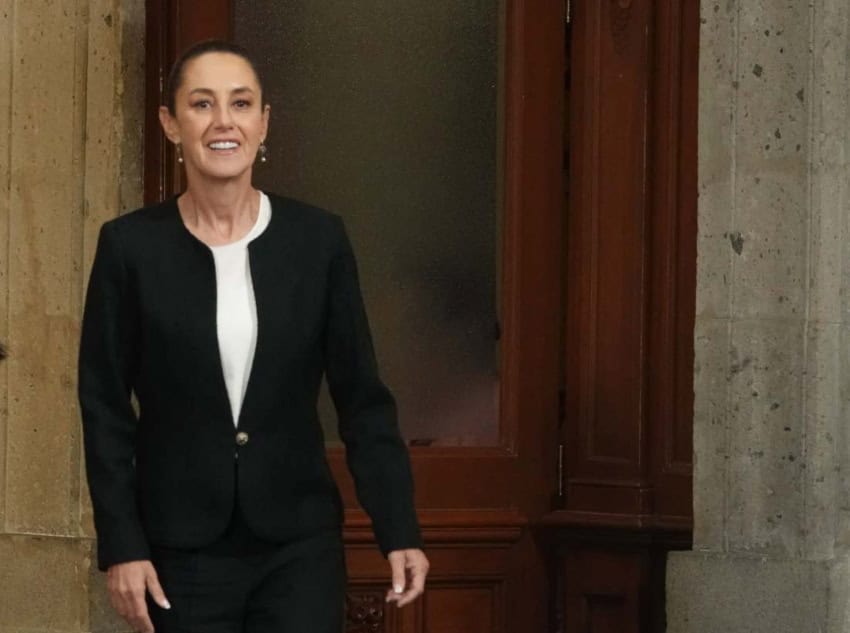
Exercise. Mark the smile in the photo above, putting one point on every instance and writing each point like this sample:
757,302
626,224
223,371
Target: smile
223,145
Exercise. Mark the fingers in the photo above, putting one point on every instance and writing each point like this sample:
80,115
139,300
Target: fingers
414,572
397,561
156,591
142,623
127,583
418,572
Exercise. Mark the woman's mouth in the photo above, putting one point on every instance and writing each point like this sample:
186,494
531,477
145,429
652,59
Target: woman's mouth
223,146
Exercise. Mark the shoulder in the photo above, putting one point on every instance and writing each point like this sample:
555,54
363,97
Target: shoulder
303,213
142,223
314,224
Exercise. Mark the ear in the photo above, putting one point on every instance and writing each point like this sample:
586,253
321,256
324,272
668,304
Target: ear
169,124
266,114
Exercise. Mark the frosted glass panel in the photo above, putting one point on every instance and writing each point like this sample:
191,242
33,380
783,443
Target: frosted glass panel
386,113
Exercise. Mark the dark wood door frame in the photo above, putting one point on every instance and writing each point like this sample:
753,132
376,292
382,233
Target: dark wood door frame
629,318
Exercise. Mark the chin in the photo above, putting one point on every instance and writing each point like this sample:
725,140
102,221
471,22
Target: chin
224,173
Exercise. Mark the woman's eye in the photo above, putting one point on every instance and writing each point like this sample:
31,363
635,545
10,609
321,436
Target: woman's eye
242,103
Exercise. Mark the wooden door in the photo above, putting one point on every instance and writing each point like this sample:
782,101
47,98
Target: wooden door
481,490
629,318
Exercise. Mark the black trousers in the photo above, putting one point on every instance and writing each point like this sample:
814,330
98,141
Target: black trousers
242,584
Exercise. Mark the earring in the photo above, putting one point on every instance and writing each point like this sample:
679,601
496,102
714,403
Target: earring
179,149
263,150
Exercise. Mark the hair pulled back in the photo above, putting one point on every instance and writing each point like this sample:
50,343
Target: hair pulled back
175,77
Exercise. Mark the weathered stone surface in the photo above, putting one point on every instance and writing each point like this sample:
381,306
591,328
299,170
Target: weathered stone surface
830,112
820,452
717,593
44,270
771,143
5,132
777,560
717,240
71,111
764,503
711,432
44,583
842,434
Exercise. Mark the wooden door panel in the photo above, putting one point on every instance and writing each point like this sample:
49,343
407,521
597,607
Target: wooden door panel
468,608
606,290
467,588
630,289
631,254
603,590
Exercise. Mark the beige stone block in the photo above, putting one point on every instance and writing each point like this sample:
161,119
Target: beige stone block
42,483
764,509
103,126
5,131
44,583
711,432
132,94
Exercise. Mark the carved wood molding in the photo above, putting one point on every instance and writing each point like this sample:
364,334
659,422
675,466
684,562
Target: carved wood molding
449,526
364,612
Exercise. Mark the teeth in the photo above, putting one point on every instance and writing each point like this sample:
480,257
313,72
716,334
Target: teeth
224,145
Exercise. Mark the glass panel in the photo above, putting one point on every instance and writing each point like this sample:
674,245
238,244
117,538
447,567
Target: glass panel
387,113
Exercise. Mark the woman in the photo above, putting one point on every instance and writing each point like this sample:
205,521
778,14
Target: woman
220,309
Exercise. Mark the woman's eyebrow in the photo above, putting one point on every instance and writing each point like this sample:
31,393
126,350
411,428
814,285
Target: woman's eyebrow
211,92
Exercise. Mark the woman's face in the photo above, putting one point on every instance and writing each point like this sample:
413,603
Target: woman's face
218,117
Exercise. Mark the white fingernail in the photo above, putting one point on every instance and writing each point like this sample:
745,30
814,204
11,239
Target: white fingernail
398,588
166,604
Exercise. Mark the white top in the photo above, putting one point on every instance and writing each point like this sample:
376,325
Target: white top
236,309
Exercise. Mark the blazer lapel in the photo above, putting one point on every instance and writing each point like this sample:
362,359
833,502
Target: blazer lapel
272,258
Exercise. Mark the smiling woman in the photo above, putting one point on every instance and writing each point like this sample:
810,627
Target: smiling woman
217,119
221,309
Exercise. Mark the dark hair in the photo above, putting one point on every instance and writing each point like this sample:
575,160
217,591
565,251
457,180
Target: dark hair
175,77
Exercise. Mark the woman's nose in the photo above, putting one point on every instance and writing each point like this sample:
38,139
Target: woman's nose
222,116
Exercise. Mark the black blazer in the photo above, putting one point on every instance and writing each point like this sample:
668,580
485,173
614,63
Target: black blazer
167,476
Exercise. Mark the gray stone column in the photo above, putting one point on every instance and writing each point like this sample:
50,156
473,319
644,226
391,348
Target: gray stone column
772,373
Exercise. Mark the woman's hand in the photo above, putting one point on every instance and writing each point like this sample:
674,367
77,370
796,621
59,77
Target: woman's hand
127,583
409,569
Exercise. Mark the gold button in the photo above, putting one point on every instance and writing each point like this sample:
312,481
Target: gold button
241,438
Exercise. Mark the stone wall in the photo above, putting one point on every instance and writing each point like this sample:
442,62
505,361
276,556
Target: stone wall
772,373
71,107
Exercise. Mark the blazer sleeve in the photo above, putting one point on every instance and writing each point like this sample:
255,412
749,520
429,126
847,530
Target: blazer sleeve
375,452
107,363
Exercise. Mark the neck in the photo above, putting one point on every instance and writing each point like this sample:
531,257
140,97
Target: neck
220,209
